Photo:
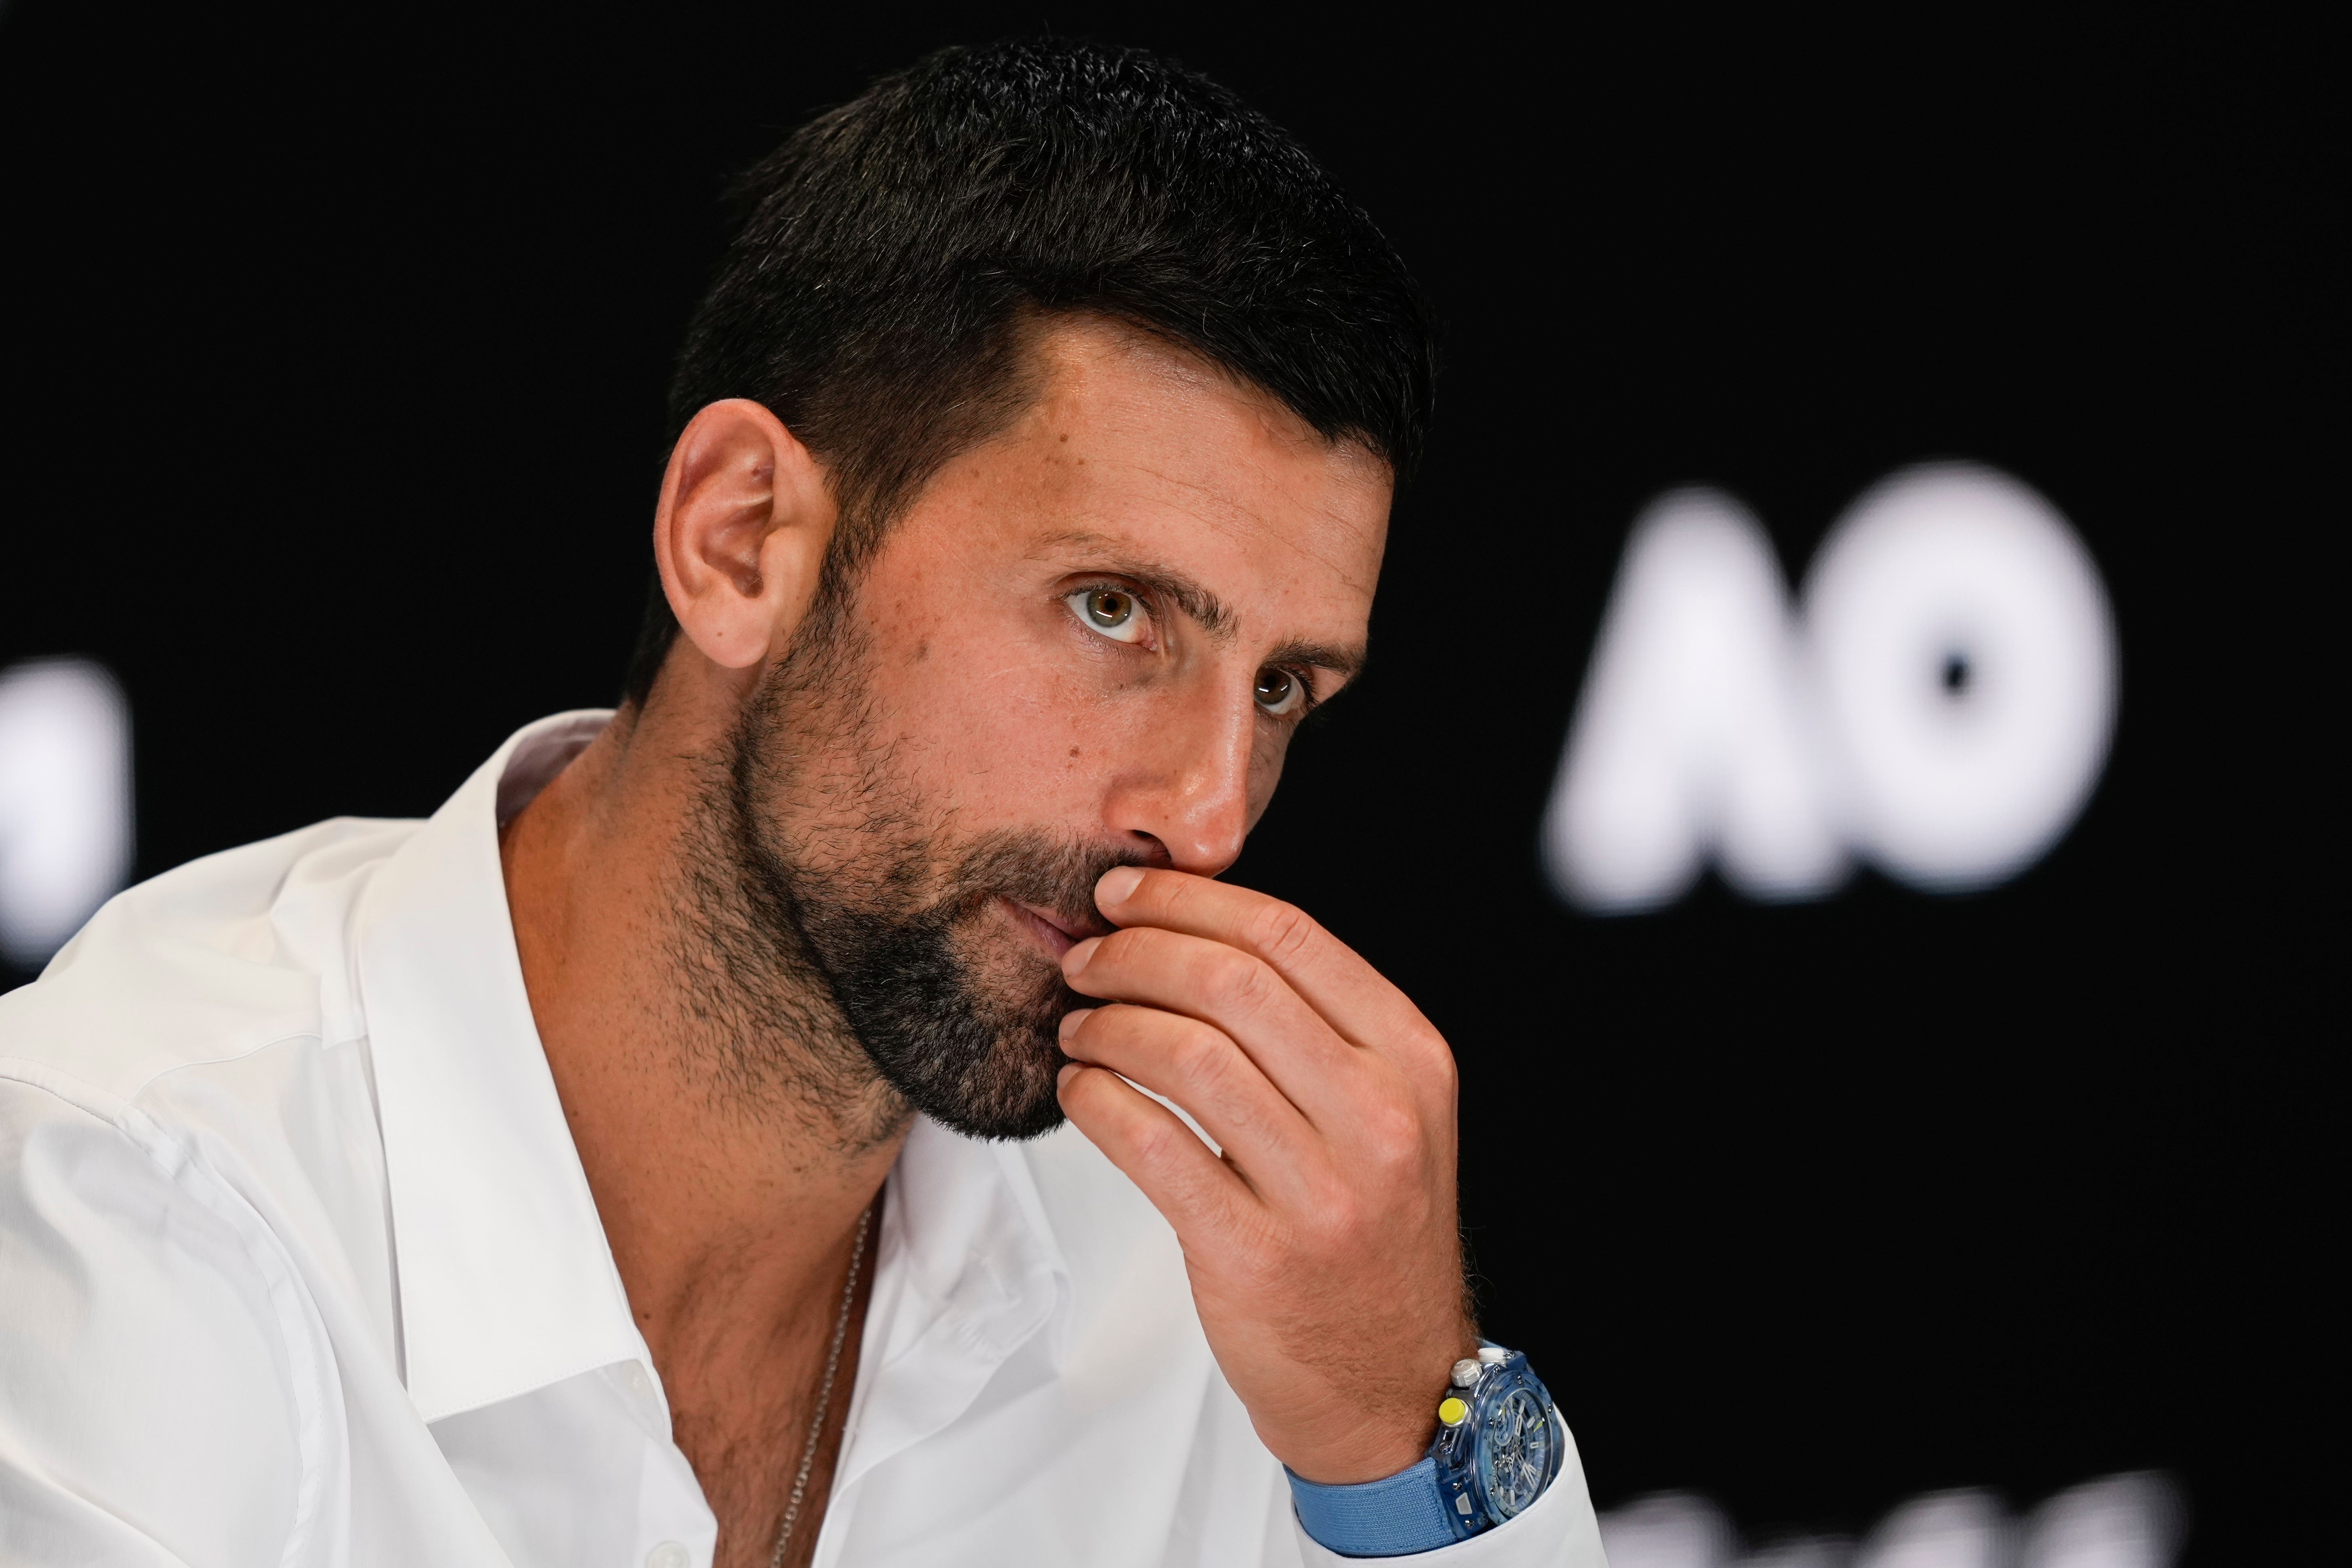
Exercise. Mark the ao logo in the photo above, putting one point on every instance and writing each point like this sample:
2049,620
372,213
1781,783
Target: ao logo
64,801
1940,704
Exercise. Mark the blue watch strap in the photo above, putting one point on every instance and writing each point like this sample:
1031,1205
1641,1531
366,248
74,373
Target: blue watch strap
1392,1518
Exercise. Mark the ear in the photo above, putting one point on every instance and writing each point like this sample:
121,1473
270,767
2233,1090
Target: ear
741,533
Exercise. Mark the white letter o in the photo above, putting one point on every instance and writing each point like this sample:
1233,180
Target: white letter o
1966,658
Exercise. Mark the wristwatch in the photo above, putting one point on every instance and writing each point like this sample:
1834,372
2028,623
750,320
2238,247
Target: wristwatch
1498,1441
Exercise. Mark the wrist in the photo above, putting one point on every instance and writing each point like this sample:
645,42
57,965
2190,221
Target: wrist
1498,1446
1370,1435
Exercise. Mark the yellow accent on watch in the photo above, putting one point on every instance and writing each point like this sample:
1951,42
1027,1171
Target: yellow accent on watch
1452,1411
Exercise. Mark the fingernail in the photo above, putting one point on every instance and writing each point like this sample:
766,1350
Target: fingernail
1075,960
1118,883
1072,1020
1061,1079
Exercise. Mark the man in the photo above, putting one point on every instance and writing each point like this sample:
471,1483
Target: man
653,1158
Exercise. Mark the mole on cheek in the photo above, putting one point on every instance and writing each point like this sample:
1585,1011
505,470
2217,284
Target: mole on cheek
922,651
1074,751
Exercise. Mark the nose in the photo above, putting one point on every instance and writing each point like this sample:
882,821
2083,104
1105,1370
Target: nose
1185,797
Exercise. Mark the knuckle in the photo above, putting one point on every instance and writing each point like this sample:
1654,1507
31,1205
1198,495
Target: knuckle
1154,1143
1203,1058
1281,931
1393,1135
1422,1055
1238,980
1341,1224
1264,1254
1331,1207
1271,1262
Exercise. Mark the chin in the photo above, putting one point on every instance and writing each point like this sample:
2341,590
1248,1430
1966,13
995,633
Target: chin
1014,1095
978,1049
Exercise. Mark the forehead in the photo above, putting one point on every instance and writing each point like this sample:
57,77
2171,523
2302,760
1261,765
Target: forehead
1134,443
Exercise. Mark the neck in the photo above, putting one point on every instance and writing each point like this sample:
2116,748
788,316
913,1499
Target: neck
730,1129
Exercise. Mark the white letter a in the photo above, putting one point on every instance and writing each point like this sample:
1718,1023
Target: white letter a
1693,738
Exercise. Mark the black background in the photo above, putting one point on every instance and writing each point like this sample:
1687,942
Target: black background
334,363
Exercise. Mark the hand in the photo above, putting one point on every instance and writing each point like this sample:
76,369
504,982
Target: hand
1324,1246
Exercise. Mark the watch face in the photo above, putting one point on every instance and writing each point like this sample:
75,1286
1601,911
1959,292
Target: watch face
1515,1453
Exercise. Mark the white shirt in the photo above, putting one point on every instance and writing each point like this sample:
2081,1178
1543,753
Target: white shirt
298,1265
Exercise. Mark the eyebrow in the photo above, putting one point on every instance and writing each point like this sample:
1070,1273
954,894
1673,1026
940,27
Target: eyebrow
1344,662
1204,608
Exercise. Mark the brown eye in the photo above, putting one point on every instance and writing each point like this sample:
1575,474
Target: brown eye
1113,612
1279,692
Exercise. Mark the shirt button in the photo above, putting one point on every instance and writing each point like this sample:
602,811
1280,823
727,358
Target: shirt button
669,1554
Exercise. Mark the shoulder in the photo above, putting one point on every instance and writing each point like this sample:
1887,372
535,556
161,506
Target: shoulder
151,1391
163,1387
194,1061
206,962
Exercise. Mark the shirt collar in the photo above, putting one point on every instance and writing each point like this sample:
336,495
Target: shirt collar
506,1281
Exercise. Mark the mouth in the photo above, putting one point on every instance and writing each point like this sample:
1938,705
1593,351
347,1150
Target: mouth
1054,935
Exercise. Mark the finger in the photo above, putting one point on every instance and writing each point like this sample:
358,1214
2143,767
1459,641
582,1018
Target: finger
1200,1196
1328,974
1230,991
1201,1069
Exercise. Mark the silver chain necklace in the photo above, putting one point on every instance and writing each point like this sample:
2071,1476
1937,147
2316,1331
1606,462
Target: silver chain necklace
823,1393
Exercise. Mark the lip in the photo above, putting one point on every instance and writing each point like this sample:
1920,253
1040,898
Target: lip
1047,930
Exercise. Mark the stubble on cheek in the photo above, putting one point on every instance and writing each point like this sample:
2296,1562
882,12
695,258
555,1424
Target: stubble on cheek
942,993
857,774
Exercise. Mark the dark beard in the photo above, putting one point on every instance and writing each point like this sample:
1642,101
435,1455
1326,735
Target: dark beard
978,1058
883,916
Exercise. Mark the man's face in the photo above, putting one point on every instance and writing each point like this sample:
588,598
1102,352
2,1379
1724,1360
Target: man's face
1087,642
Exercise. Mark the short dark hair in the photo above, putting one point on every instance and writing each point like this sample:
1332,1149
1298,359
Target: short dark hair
895,248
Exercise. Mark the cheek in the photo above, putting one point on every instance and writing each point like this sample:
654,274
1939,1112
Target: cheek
996,731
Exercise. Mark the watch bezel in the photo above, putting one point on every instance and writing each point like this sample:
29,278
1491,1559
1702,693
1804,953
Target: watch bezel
1457,1448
